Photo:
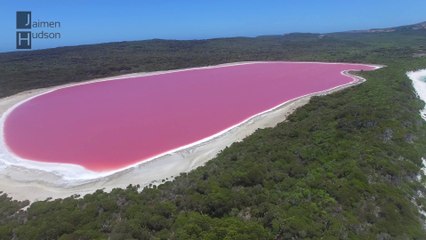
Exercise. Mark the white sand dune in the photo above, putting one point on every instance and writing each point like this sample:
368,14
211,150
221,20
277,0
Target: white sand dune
29,180
418,79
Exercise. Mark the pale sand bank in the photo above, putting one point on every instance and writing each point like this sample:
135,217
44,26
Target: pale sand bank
23,183
418,79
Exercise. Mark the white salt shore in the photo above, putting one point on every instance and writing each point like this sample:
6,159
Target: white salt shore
29,180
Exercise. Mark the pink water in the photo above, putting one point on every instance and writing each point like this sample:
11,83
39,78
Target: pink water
113,124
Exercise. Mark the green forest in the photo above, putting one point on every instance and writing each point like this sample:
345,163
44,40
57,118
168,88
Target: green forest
344,166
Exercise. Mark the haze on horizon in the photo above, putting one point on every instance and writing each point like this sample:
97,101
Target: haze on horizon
97,21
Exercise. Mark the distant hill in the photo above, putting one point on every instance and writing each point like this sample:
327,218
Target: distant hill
412,27
55,66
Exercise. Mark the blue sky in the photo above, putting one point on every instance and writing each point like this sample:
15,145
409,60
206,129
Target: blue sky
95,21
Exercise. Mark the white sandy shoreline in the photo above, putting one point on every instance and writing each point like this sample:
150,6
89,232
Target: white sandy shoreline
33,182
418,79
419,86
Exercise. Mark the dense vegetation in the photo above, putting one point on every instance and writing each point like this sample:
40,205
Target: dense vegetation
344,166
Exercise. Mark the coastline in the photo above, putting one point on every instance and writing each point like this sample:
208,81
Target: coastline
420,90
419,86
22,182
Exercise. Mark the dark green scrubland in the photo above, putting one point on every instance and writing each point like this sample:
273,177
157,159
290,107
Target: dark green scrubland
344,166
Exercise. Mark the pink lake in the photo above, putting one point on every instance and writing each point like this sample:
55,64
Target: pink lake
110,125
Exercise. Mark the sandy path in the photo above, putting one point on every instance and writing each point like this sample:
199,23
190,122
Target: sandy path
22,183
